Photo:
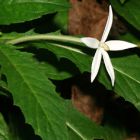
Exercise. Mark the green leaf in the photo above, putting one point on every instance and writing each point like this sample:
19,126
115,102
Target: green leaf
81,60
54,67
61,20
61,70
127,81
3,129
28,86
13,126
122,1
131,38
25,10
125,73
129,11
34,94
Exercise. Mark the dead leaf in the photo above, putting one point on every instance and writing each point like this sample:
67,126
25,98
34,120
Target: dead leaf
87,17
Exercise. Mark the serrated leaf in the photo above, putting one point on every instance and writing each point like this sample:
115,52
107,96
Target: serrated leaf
34,94
125,72
54,67
58,73
12,124
15,11
29,94
61,51
129,11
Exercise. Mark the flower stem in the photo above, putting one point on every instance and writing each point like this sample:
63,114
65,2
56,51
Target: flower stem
61,38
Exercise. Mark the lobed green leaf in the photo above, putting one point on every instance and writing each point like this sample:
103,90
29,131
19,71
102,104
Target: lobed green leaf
125,73
34,94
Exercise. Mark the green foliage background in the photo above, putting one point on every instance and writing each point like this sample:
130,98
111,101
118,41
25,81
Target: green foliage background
30,106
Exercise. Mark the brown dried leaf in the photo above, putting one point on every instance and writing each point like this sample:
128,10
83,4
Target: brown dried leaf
87,17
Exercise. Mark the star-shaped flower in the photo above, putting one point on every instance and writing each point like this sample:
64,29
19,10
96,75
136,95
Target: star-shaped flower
102,47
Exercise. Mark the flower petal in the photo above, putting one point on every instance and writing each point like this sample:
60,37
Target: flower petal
96,64
108,25
108,66
90,42
116,45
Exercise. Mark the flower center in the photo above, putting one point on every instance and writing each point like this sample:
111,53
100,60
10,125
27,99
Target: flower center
104,46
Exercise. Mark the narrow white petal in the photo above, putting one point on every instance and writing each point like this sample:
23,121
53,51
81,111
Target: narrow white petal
108,66
108,25
96,64
90,42
116,45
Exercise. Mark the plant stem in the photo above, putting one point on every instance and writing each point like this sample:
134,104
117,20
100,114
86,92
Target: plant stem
61,38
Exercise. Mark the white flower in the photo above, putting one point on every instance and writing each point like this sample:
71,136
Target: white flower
102,48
